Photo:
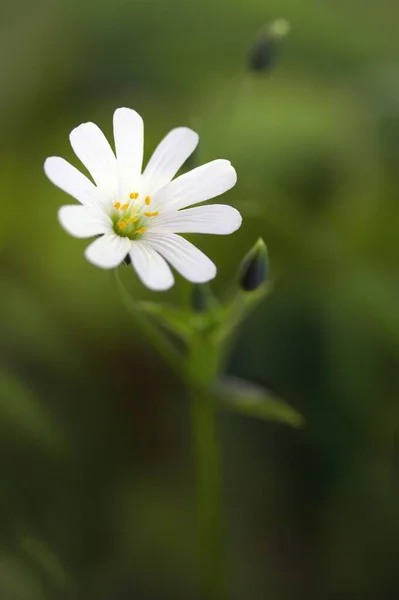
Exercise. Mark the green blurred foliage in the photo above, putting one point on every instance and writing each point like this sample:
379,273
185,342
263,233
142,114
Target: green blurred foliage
97,487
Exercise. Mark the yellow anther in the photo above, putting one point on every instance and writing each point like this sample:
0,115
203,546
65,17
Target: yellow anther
141,230
132,220
134,195
125,206
121,224
155,213
117,205
147,200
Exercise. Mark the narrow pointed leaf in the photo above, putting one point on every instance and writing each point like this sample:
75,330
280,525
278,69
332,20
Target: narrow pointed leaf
175,320
251,400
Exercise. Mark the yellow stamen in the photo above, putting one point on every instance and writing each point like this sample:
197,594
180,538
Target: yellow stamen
125,206
117,205
132,220
155,213
141,230
121,224
147,200
134,195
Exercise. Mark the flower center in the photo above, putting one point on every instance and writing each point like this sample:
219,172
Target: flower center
131,218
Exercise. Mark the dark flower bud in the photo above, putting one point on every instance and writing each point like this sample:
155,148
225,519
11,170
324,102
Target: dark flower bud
263,53
201,298
254,268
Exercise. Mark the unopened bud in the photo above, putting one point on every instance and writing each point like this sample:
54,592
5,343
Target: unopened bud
201,298
254,267
263,53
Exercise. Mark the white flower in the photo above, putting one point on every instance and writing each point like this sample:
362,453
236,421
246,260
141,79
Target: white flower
138,214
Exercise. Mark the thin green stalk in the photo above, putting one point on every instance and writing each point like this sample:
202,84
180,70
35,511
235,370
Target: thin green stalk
203,367
151,331
199,370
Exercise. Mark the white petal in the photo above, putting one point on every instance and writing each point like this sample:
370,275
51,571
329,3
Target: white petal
108,251
92,148
70,180
129,145
151,268
188,260
198,185
216,218
169,156
83,222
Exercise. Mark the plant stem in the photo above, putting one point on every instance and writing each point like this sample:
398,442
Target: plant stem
153,334
199,370
203,366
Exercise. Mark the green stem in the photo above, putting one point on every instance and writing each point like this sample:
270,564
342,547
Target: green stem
199,370
203,366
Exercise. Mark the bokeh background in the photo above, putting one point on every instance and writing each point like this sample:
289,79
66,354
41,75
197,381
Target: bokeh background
97,487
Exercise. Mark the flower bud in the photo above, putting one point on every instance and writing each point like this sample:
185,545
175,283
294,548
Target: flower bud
254,268
263,53
201,298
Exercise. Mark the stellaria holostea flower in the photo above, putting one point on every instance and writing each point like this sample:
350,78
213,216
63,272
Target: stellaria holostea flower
139,214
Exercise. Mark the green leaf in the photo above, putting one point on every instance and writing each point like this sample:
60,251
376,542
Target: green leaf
175,320
181,322
241,305
251,400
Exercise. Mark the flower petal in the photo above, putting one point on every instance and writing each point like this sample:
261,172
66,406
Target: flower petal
83,222
129,145
108,251
169,156
188,260
151,268
220,219
70,180
92,148
198,185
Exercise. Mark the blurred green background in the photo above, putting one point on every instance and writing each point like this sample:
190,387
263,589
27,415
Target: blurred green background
97,487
